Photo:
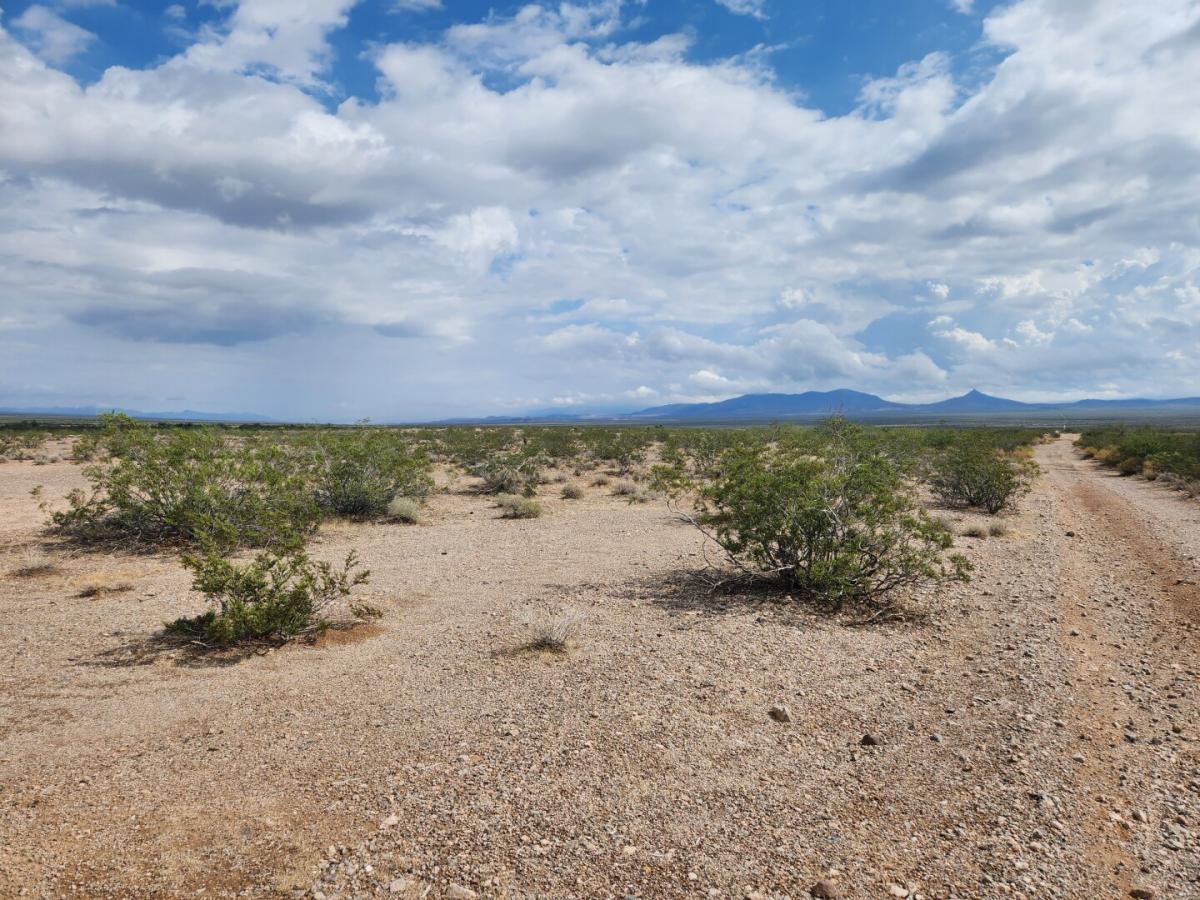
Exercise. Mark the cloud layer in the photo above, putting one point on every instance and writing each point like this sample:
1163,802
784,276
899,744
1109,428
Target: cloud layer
538,209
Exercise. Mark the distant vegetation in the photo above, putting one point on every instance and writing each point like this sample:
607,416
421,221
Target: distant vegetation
1156,453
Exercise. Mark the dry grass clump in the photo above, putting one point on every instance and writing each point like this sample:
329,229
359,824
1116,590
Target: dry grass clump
519,507
554,634
632,492
34,564
975,531
601,481
104,583
997,529
405,509
572,492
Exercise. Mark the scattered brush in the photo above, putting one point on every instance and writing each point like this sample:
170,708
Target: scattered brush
405,509
997,529
975,531
601,481
519,507
572,492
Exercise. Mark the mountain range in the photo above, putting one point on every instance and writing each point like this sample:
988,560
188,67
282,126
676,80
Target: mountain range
857,403
853,404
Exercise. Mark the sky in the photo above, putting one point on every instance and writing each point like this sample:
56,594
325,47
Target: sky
415,209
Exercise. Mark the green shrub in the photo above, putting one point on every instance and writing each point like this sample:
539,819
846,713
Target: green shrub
510,474
519,507
838,529
190,487
971,473
273,597
358,473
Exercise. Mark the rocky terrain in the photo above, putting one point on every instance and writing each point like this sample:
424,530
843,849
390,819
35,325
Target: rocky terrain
1033,734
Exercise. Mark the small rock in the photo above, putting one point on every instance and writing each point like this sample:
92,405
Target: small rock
896,890
780,713
458,892
825,889
869,740
936,738
390,821
1070,534
398,885
1139,893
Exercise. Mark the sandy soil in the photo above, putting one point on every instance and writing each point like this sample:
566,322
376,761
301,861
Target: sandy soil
1037,736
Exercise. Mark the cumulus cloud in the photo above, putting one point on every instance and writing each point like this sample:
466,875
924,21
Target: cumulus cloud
539,206
51,36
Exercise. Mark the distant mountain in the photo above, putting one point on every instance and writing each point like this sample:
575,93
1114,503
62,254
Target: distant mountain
973,402
182,415
766,406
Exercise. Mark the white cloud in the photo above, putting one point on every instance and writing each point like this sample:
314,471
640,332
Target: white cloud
755,8
695,218
51,36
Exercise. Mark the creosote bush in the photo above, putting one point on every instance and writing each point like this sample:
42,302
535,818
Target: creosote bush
189,487
842,528
971,473
359,472
274,597
510,474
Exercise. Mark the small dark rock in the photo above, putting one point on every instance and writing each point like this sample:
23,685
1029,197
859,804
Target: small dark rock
826,890
869,740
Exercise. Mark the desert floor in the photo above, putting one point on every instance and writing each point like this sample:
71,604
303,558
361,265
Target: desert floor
1037,733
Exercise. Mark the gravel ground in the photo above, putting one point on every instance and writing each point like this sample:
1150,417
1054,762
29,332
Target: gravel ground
1034,735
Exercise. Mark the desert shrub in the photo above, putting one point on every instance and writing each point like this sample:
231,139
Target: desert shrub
572,492
405,509
358,473
1130,465
510,474
272,597
842,528
971,473
975,531
997,529
601,481
519,507
189,487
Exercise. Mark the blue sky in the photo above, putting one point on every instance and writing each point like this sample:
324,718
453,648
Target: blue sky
412,208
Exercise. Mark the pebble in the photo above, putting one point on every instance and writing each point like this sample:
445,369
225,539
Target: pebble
458,892
780,713
869,740
826,890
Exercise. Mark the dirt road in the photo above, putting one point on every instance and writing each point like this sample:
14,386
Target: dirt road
1036,736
